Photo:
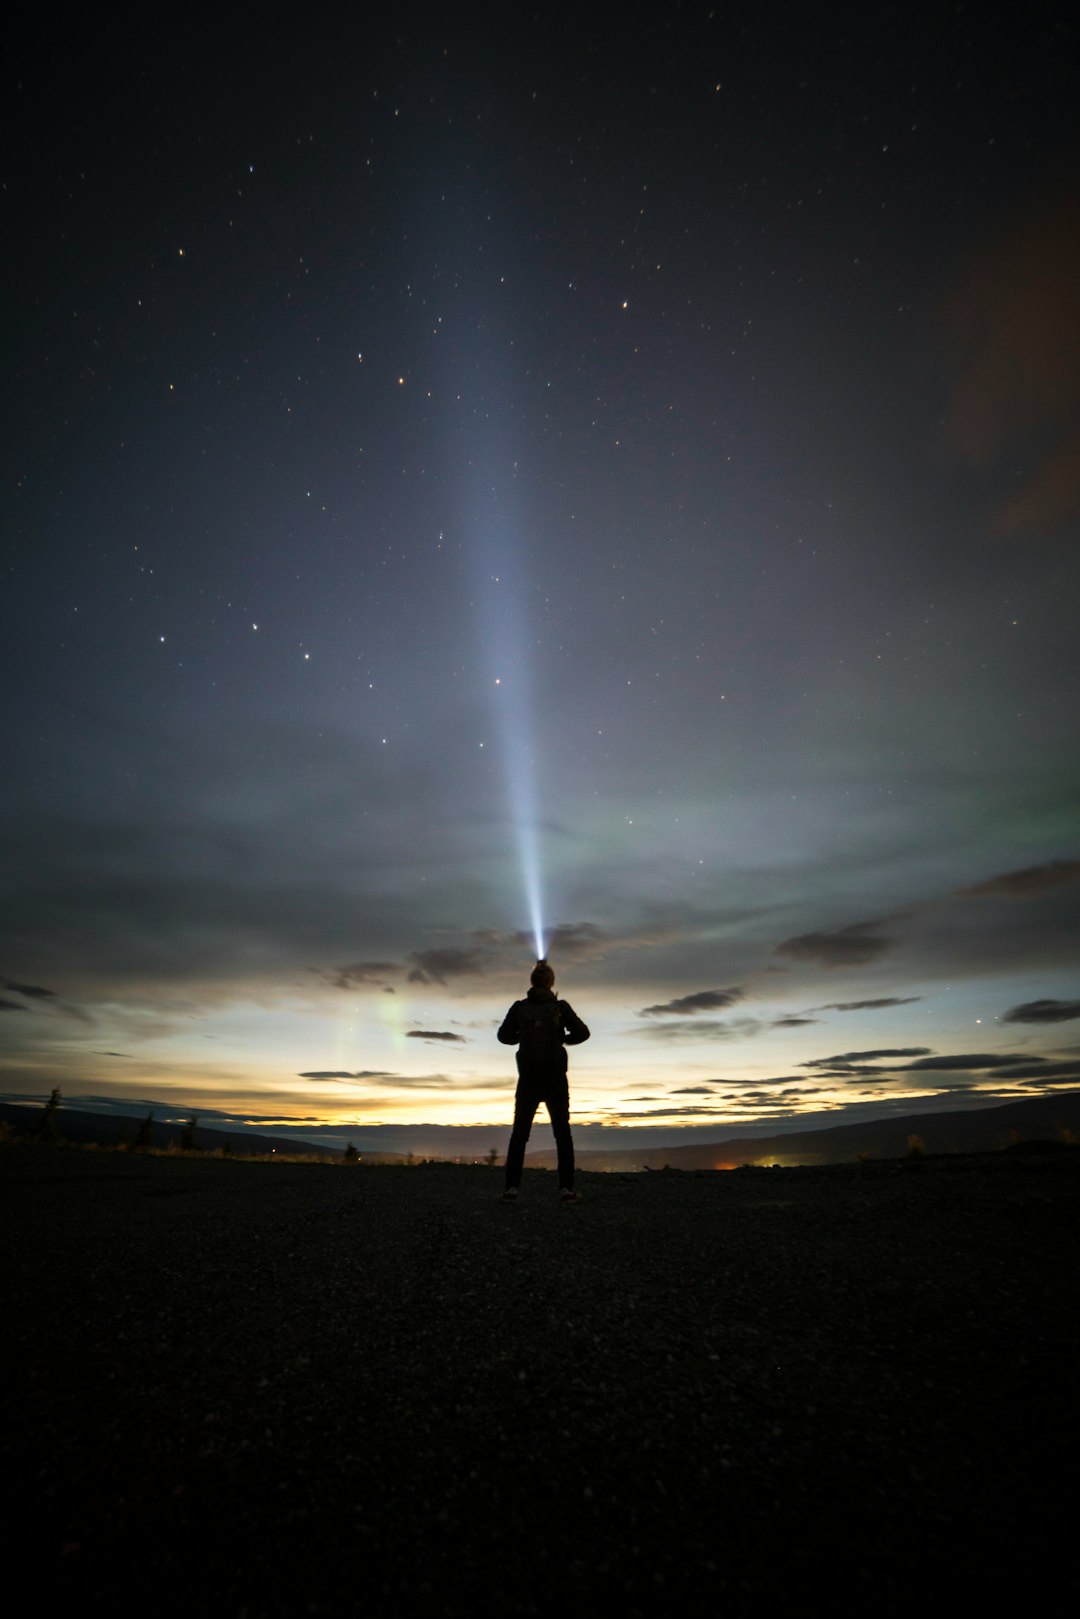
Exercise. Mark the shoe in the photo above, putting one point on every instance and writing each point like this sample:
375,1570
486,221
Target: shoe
568,1195
509,1195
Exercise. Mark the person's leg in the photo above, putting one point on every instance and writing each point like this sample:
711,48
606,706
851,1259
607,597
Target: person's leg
558,1106
526,1102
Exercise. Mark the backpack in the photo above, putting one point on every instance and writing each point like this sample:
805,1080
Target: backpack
541,1033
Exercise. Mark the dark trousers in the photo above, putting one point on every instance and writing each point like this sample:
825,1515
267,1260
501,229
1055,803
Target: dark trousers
554,1091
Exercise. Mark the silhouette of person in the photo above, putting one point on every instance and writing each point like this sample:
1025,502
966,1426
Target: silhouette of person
541,1026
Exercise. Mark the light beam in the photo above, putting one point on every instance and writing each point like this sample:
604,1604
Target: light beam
501,604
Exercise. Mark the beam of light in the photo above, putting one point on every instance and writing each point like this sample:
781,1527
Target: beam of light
501,605
516,739
497,551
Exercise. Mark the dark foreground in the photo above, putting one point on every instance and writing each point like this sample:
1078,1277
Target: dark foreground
265,1389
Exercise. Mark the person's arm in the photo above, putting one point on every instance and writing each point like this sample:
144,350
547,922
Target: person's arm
574,1030
510,1029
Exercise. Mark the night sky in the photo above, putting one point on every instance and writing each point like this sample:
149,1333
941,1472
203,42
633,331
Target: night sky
620,461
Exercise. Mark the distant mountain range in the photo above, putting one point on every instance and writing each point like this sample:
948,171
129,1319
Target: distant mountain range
109,1129
971,1130
968,1130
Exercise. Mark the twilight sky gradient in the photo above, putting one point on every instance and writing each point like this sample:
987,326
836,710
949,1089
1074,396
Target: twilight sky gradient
648,442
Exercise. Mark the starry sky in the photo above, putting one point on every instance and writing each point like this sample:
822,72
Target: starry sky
612,468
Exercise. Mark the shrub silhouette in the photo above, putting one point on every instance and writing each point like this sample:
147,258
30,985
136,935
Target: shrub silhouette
187,1135
351,1154
144,1134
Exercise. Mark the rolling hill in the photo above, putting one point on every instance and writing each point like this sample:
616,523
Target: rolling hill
968,1130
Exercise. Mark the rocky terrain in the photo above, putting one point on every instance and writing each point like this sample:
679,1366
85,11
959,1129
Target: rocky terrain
271,1389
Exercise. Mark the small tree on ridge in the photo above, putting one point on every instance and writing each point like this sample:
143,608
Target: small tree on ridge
47,1131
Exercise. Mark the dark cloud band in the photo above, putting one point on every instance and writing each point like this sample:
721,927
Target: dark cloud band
705,1000
853,946
1043,1012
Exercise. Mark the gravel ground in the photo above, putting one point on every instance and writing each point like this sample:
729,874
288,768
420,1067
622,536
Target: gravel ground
273,1389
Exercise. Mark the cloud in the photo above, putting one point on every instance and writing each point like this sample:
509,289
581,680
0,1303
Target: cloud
688,1112
1027,883
859,1064
148,893
793,1022
446,1082
183,881
859,1071
693,1090
576,941
743,1028
853,946
1038,1068
867,1056
408,1082
585,941
1013,333
1043,1012
483,954
33,991
454,961
435,1034
336,1073
705,1000
867,1006
488,949
978,1059
358,973
11,1006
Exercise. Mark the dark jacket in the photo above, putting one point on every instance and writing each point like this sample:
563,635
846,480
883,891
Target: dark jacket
541,1026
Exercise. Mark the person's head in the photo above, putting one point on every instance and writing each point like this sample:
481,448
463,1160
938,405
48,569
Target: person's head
542,976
